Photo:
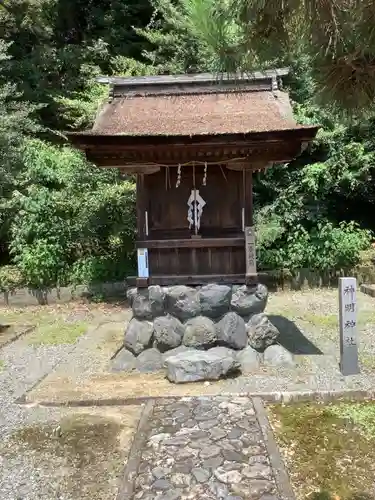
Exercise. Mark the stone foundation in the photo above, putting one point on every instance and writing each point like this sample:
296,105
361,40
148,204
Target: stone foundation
198,333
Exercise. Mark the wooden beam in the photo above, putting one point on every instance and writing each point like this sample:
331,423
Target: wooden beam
141,282
145,169
301,133
116,156
168,280
248,165
193,243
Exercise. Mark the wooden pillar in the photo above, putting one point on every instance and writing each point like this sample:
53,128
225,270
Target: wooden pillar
250,251
141,207
142,253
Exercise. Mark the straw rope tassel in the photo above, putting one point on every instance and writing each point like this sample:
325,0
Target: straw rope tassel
178,182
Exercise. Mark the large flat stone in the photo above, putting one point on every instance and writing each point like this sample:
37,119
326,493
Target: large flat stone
222,351
199,365
176,350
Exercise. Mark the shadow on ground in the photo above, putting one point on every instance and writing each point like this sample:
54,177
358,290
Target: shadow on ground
292,338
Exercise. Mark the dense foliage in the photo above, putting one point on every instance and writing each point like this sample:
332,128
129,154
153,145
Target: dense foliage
64,220
338,37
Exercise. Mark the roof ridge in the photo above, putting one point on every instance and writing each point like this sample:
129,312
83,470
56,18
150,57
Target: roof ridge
207,91
175,84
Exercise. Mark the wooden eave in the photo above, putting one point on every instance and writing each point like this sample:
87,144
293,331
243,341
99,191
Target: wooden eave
268,146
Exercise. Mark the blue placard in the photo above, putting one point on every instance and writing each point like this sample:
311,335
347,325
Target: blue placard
143,271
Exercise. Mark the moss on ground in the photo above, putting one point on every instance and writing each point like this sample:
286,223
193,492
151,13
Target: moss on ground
329,449
331,321
86,449
57,332
58,323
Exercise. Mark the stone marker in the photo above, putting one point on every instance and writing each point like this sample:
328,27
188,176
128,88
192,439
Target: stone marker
348,326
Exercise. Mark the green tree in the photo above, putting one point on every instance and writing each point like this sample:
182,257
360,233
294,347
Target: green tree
73,221
16,125
338,36
59,47
175,36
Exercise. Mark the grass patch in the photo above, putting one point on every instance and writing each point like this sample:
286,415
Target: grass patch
329,449
57,333
331,321
2,365
362,415
367,360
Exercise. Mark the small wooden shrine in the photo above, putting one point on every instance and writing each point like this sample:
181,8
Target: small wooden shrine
194,143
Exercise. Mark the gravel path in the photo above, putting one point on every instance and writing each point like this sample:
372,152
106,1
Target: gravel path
23,366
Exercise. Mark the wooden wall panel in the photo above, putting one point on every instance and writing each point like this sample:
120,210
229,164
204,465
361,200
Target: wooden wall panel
167,205
205,261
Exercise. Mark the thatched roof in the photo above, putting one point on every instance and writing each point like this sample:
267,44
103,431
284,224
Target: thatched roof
195,105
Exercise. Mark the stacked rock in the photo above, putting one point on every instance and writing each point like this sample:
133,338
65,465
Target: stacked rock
197,333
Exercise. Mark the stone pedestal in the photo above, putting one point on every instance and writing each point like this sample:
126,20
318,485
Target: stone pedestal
176,323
